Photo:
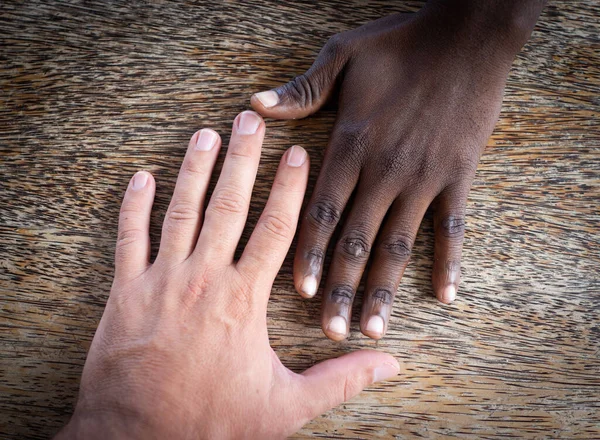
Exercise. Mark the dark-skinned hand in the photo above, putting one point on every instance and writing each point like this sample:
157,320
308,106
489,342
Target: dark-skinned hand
419,95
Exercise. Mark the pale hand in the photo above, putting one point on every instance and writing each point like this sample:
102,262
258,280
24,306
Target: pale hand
182,350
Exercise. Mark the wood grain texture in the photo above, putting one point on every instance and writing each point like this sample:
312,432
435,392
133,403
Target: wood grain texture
93,91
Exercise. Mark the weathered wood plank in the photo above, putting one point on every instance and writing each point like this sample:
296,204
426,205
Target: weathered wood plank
93,91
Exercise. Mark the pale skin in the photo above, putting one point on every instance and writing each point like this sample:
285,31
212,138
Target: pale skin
182,350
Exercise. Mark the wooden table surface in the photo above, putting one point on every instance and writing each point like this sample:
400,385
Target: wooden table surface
93,91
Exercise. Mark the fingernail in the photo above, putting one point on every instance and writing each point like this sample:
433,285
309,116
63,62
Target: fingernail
268,99
309,286
375,325
206,140
249,122
385,371
296,156
448,294
139,180
337,325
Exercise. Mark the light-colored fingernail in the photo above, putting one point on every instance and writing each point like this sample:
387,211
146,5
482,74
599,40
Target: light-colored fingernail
337,325
139,180
268,99
448,294
249,122
296,156
206,140
375,325
309,286
385,371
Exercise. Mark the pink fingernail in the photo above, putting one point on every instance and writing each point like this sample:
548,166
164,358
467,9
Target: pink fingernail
139,180
310,286
249,122
296,156
375,325
206,140
448,294
385,371
338,325
268,99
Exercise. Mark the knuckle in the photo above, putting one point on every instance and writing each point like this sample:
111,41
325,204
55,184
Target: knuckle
193,167
466,166
241,149
452,266
182,212
452,226
242,295
335,51
342,295
391,164
195,287
314,257
355,245
303,90
279,225
349,147
129,210
324,213
354,140
334,45
127,237
352,386
284,186
382,296
227,201
425,169
398,246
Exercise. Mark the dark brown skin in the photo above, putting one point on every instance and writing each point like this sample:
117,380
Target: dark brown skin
419,95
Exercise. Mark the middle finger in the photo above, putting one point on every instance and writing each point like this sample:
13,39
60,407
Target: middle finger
350,258
227,210
390,258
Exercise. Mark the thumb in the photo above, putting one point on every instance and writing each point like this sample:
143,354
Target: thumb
335,381
308,92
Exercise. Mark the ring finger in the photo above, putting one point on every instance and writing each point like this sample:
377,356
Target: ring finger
228,207
349,260
392,253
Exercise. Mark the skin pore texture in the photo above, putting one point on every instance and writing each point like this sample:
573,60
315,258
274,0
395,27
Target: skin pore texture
406,141
182,350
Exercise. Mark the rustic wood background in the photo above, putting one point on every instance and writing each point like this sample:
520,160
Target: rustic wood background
93,91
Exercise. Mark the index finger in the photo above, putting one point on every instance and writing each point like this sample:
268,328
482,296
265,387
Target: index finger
226,213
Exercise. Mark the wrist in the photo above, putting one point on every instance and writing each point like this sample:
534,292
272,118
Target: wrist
502,26
102,425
